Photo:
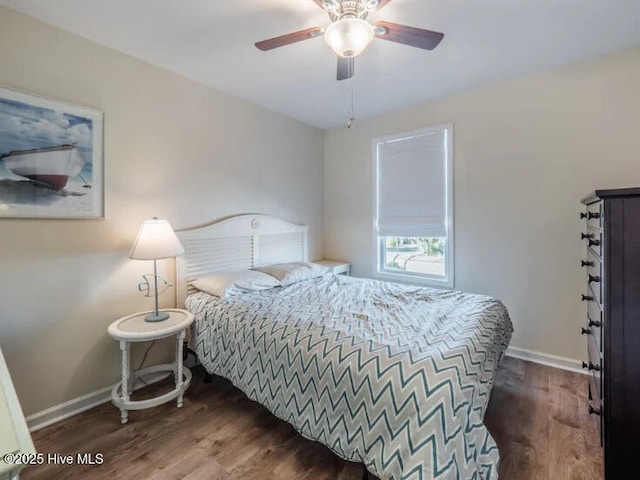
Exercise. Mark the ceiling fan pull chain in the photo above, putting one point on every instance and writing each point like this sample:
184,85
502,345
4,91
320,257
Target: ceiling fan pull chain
352,116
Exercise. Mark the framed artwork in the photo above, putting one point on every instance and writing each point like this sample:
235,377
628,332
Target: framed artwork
51,162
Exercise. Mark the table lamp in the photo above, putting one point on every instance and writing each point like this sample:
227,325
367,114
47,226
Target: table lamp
156,240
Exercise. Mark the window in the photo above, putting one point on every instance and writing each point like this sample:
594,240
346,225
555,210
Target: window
414,199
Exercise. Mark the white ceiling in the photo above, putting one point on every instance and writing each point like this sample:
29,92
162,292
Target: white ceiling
212,41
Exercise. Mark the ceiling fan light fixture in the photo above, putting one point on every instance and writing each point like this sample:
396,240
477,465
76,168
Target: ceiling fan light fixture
349,36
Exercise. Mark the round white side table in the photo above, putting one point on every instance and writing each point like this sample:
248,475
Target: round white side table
134,328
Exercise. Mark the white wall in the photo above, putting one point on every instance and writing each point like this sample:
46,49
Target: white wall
173,148
525,153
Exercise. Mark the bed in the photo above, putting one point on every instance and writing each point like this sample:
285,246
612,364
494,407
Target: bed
395,377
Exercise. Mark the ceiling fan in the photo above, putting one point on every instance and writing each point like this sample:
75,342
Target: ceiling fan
349,32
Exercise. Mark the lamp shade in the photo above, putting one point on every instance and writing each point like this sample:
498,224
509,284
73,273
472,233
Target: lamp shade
156,239
349,36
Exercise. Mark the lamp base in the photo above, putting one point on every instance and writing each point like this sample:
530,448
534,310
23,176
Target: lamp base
156,317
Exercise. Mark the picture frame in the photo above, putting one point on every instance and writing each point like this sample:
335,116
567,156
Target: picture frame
51,158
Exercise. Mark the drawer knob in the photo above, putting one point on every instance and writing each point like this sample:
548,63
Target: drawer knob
583,215
585,235
591,215
595,411
585,331
595,323
594,242
594,278
588,263
591,366
587,298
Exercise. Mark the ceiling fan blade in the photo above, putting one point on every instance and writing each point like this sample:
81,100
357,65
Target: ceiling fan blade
414,37
345,68
289,38
382,4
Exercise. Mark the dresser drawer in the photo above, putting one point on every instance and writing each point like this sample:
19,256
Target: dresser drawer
596,404
594,391
593,309
594,323
594,277
594,215
594,356
594,364
593,239
595,380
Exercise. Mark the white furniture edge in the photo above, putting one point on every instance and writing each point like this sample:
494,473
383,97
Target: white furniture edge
15,413
336,266
236,243
157,333
125,404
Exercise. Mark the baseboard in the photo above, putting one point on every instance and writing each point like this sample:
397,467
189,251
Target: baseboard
67,409
78,405
546,359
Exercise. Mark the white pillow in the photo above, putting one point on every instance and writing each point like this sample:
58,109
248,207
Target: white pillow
289,273
235,283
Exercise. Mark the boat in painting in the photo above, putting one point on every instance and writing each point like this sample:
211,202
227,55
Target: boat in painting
49,166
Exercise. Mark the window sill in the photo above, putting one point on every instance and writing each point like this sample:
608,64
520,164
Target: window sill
415,280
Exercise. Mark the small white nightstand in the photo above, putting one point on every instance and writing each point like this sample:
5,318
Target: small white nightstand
338,267
134,328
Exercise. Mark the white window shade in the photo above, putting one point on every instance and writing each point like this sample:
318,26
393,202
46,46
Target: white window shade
412,186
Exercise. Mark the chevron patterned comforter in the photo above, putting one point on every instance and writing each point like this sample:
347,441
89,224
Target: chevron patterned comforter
393,376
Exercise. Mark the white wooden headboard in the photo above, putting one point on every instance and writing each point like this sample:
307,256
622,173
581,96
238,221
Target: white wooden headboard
237,243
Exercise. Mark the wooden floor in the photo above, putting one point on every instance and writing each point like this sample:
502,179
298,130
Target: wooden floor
537,415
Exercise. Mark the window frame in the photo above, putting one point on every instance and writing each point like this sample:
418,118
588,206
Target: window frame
447,280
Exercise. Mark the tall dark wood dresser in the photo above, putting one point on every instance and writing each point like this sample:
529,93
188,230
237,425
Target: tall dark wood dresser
612,298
